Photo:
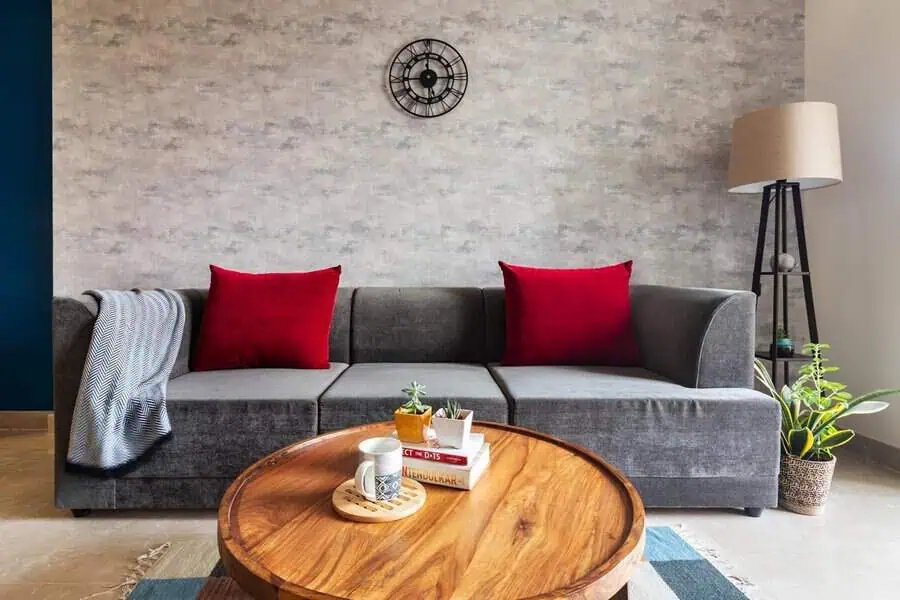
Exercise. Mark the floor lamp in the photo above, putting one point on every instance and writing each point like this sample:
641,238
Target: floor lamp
776,151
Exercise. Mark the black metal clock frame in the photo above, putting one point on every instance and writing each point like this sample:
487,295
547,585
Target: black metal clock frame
777,193
428,78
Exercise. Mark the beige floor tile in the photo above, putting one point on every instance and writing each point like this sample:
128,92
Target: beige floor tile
55,591
101,556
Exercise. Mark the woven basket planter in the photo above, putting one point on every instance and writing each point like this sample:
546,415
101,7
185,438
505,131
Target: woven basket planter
803,484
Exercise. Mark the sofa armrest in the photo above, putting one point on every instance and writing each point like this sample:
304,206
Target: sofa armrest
73,324
699,338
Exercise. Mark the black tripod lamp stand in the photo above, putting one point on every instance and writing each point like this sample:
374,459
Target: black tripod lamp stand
776,153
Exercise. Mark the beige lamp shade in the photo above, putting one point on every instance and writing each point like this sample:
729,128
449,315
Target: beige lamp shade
797,142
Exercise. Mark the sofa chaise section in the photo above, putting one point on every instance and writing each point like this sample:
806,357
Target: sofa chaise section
686,426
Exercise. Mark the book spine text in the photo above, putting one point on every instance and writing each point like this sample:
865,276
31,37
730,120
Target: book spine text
435,477
449,459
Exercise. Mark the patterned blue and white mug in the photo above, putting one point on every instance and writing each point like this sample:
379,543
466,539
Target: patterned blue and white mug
378,475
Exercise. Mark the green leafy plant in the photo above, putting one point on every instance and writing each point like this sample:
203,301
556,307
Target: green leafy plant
414,406
781,333
452,410
812,405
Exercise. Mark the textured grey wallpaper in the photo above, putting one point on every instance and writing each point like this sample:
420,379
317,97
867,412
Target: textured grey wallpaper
258,135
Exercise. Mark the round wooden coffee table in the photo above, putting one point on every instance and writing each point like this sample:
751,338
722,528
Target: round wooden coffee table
547,520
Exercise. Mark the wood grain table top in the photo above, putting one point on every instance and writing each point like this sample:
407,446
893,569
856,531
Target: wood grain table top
547,520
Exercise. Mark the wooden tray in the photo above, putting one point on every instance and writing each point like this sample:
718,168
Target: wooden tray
350,504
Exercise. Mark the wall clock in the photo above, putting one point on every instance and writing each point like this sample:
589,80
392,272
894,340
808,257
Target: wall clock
428,78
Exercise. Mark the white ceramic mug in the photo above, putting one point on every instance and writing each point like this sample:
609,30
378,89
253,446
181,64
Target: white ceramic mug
378,475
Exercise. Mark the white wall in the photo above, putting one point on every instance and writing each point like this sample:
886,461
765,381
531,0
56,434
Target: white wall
853,60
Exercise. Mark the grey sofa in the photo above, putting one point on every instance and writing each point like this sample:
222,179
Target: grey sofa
686,426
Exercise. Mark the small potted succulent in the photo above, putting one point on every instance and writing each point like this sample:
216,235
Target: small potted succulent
784,346
413,418
811,408
453,425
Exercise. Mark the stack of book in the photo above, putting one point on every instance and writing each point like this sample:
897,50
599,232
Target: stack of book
452,467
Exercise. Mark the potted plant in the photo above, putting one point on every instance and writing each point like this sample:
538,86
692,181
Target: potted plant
784,346
413,418
453,425
810,410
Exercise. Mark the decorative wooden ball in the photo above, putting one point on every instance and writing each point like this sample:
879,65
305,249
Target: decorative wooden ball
785,263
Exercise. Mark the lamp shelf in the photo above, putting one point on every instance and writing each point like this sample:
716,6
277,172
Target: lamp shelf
797,357
787,273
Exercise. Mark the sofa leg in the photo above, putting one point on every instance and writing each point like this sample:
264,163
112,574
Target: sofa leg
753,511
79,513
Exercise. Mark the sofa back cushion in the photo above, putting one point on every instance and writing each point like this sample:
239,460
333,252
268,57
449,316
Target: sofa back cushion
195,302
340,327
495,324
418,324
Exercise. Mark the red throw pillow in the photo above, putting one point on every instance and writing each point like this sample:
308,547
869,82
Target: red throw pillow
568,316
278,320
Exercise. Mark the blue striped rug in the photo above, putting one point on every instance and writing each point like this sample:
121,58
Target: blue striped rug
673,570
678,571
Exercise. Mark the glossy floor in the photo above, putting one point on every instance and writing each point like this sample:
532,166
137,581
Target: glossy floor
851,551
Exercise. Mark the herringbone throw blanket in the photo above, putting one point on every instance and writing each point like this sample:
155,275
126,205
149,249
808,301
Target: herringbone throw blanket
120,411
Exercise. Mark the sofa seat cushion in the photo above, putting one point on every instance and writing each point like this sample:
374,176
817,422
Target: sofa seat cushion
645,424
370,392
224,421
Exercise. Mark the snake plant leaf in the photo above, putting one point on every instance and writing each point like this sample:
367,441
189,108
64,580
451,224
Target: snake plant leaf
857,402
762,375
816,417
787,418
867,407
794,400
835,439
785,443
788,421
801,441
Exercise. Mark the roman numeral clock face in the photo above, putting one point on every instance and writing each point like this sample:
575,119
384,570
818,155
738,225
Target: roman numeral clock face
428,78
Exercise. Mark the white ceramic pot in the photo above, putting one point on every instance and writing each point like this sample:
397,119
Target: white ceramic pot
452,433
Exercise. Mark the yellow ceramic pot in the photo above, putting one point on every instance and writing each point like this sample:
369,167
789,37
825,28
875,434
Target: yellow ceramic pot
411,428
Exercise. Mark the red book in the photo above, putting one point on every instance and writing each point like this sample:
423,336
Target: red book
432,452
441,457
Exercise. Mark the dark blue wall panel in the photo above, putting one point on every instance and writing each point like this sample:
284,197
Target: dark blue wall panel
26,193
